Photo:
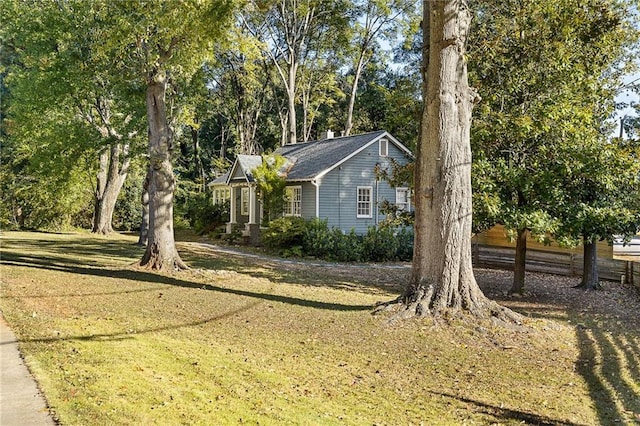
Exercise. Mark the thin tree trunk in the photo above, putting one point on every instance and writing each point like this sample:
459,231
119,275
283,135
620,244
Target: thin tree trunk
101,184
442,276
291,105
161,250
352,98
590,279
144,224
520,262
284,119
197,160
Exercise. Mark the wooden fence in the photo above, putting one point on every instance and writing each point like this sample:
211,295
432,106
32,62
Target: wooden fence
569,264
492,249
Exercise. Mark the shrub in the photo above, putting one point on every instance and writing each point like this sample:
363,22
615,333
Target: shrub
293,236
380,244
284,234
203,215
347,247
318,239
405,244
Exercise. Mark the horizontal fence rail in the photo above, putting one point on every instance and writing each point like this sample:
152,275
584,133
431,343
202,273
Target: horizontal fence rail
554,262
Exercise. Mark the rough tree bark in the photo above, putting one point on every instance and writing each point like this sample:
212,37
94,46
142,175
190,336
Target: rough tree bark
442,276
590,279
161,252
113,169
113,162
520,262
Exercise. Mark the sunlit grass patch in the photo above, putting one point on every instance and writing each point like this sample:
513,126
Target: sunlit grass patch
236,341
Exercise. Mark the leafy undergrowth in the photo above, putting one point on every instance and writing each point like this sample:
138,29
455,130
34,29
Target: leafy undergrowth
244,340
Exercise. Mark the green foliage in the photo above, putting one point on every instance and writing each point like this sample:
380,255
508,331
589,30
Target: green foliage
271,184
405,244
284,233
196,208
380,244
294,236
547,72
204,216
127,215
331,244
318,239
346,247
397,175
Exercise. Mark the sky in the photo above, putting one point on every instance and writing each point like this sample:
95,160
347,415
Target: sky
627,96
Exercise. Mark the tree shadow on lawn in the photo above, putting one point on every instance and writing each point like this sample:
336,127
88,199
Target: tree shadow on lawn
314,273
506,414
609,343
143,276
84,248
125,335
609,362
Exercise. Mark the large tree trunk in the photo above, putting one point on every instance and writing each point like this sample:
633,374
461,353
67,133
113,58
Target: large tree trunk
442,276
590,280
520,262
161,250
113,169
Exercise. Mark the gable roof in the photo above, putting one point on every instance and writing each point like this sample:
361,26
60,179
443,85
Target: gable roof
243,167
220,180
314,159
310,160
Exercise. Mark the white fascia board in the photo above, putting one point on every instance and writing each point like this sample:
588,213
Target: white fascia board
397,143
353,154
232,172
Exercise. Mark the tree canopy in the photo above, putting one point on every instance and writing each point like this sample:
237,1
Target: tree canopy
547,73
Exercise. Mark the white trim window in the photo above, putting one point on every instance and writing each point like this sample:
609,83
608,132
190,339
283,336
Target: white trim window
364,202
403,199
221,195
293,201
244,201
383,145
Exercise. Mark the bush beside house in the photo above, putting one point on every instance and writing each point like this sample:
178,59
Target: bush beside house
297,237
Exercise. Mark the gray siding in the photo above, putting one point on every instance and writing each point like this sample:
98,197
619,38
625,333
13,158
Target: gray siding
308,200
308,204
338,190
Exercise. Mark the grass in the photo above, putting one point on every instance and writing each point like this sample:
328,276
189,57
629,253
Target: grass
240,341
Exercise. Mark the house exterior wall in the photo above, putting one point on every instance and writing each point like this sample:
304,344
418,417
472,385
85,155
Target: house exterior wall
308,200
339,189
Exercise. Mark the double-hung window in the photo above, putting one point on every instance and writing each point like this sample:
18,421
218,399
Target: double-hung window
244,202
220,195
293,201
364,202
403,199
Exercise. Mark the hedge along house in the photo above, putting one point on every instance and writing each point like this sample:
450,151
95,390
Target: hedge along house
332,179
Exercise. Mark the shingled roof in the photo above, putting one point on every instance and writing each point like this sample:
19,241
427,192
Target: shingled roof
313,159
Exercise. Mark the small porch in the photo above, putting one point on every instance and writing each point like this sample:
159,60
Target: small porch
245,208
245,213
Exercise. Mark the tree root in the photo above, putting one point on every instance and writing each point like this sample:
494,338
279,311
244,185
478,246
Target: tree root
400,310
586,287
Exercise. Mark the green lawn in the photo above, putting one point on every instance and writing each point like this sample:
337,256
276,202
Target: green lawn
243,341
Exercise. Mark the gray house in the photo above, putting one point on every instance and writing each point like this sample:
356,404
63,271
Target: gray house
332,179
